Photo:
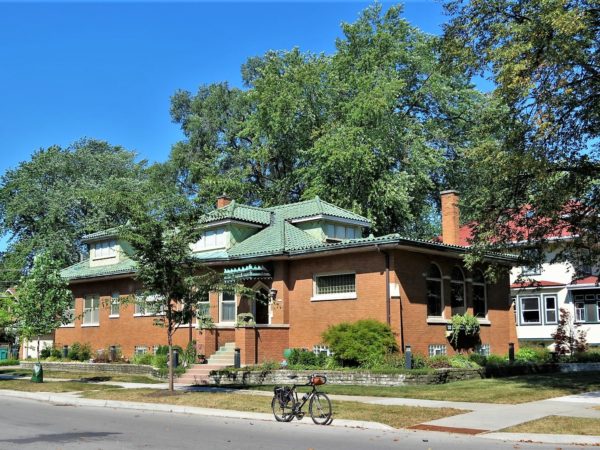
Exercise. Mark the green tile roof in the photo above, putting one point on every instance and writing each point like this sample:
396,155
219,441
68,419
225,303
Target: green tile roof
315,207
236,211
110,232
82,270
279,237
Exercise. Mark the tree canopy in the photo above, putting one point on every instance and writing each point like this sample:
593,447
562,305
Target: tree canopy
375,127
42,300
60,194
537,167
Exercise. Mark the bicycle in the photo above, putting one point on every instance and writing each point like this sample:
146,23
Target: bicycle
286,406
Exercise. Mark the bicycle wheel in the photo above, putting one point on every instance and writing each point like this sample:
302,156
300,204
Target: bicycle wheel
320,409
282,411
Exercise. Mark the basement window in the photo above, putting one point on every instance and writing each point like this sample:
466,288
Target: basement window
341,286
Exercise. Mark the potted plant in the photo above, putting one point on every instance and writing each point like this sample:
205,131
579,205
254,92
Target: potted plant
245,320
464,331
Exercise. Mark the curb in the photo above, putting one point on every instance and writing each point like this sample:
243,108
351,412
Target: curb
71,400
566,439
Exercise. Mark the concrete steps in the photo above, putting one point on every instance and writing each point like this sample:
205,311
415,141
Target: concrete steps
198,374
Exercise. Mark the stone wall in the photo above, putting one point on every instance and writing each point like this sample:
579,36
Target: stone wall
129,369
225,377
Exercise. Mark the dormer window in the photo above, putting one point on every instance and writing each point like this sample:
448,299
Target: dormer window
338,231
105,249
214,238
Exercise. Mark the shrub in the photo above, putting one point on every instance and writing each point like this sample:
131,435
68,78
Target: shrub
9,362
586,357
159,361
74,350
439,362
462,362
306,359
144,358
533,355
479,359
496,360
356,343
45,352
56,353
85,352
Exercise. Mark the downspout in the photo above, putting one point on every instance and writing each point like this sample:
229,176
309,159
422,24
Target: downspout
388,313
388,297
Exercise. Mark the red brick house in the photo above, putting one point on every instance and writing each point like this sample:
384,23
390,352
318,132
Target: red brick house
311,259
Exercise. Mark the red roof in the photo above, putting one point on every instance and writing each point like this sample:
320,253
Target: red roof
592,279
535,284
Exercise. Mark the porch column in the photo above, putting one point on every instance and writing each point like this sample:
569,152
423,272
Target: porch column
245,340
207,342
281,313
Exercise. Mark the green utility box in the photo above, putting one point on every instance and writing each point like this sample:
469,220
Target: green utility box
3,353
38,374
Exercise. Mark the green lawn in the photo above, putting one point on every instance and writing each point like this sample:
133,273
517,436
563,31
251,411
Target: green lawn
510,390
395,416
52,386
559,425
85,376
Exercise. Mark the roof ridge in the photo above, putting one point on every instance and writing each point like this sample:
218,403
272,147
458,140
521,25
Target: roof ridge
287,205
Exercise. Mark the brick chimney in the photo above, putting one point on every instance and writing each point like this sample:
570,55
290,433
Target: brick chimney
450,218
223,200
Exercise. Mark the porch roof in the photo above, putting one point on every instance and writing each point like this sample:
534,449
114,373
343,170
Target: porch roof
248,272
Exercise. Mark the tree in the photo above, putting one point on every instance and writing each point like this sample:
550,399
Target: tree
50,201
160,232
42,300
569,337
376,127
536,168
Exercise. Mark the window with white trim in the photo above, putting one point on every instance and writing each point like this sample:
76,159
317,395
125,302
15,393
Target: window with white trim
70,314
338,231
140,350
115,304
203,307
550,306
105,249
483,349
479,295
435,304
227,310
437,349
457,292
579,312
91,310
318,349
214,238
147,306
530,310
336,286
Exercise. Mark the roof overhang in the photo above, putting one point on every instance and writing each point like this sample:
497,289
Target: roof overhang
362,223
247,272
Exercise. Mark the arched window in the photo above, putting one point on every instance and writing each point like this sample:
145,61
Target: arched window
479,295
435,304
457,292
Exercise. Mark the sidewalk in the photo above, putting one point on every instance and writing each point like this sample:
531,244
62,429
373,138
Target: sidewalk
483,419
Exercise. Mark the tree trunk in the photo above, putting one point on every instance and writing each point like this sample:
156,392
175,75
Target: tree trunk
38,348
170,341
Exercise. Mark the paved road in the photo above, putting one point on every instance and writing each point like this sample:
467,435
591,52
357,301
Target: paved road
29,424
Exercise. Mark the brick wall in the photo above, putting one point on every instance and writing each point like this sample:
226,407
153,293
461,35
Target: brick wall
126,331
308,319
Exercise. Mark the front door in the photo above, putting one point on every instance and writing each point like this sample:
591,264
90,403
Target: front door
261,306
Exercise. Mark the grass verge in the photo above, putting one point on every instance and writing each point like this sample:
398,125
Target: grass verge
52,386
559,425
395,416
512,390
85,376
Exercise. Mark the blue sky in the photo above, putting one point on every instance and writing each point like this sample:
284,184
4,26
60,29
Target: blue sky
107,70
